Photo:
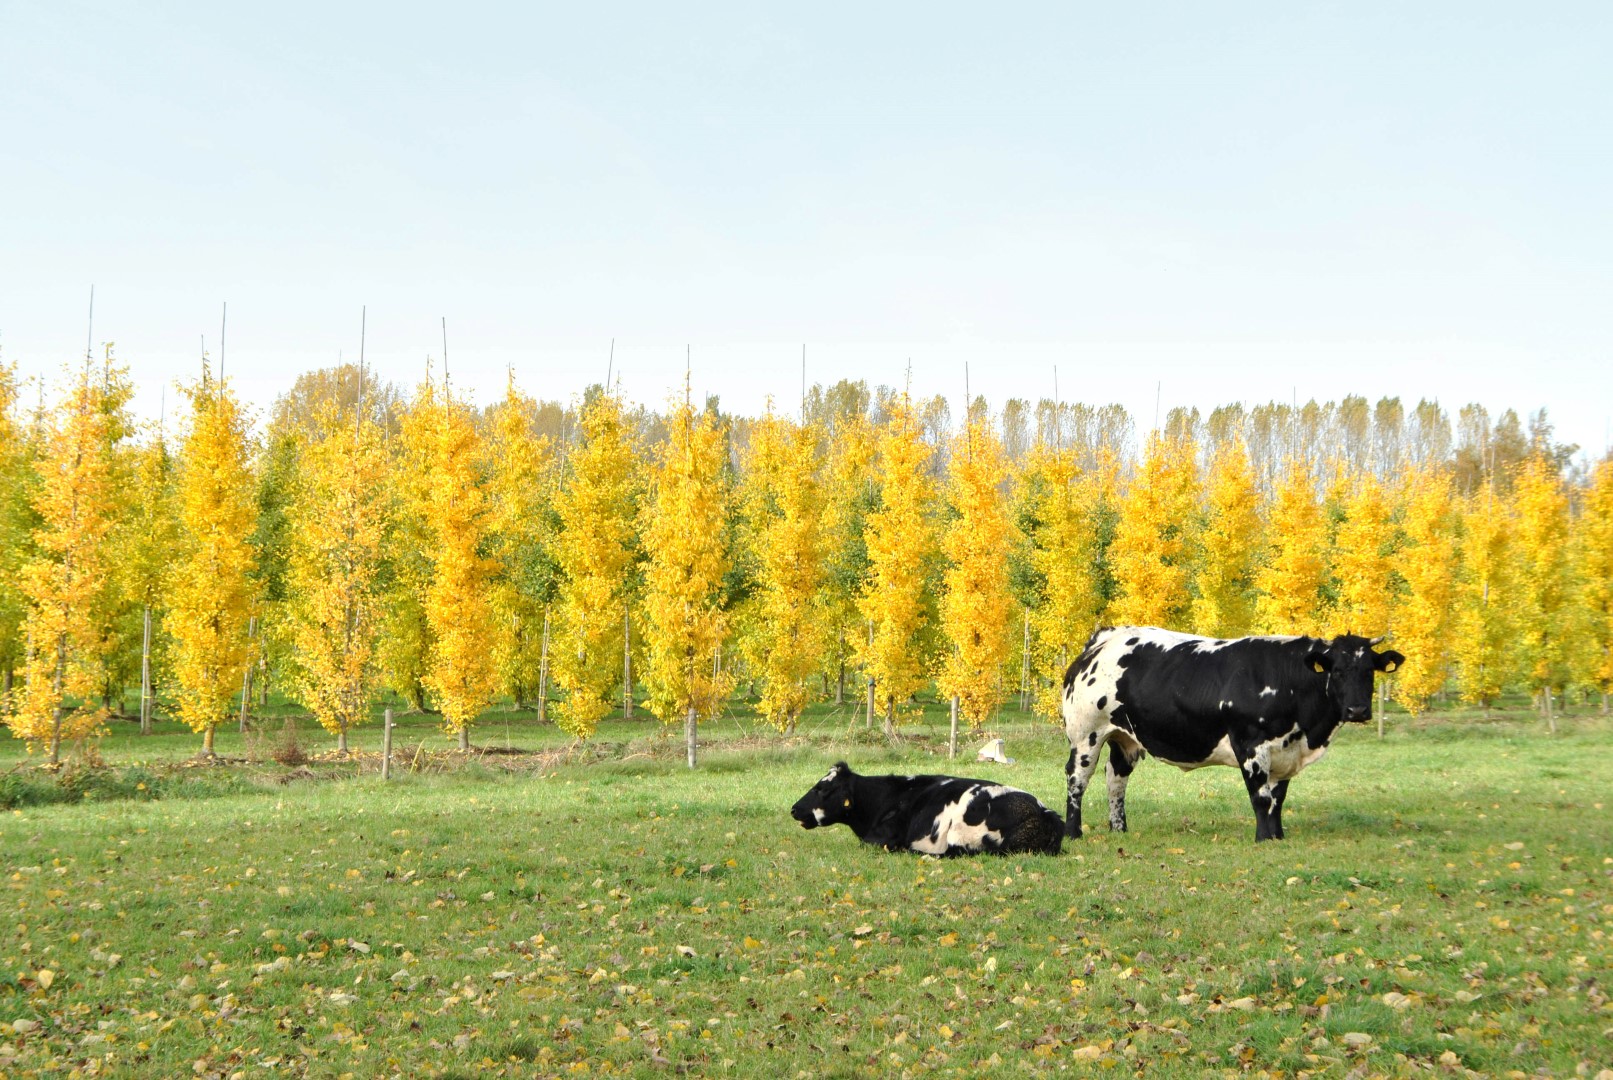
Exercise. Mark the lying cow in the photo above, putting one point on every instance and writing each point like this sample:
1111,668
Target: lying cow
1267,705
933,815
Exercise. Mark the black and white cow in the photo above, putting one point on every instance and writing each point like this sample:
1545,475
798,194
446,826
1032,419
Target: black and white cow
933,815
1267,705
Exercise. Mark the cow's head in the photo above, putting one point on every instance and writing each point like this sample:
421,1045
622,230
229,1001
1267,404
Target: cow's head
1347,663
829,800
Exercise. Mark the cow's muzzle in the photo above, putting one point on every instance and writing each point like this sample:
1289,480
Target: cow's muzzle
1358,714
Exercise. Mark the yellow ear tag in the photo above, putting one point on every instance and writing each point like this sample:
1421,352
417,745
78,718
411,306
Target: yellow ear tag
848,802
1317,667
1390,666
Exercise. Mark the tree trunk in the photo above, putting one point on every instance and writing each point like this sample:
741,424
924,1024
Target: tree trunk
207,740
690,722
952,744
890,721
341,738
56,735
1551,719
543,671
464,737
145,676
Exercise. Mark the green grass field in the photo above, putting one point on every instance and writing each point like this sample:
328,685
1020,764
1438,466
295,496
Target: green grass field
1442,903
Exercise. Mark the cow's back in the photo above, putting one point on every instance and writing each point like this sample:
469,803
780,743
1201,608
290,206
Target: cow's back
1177,695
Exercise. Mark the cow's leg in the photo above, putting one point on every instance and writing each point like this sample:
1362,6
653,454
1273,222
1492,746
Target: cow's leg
1256,767
1122,759
1279,792
1078,774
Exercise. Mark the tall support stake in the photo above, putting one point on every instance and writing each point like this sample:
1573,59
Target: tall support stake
246,676
627,665
952,743
543,671
1025,665
386,746
870,679
145,675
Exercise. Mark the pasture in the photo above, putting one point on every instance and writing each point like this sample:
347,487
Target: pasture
1442,904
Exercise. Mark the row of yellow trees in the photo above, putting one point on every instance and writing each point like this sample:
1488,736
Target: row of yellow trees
365,543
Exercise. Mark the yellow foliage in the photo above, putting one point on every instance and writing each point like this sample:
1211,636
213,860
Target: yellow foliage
1224,606
784,507
458,600
16,523
900,542
64,580
595,552
852,493
1596,571
520,482
1361,558
211,591
1541,505
1288,585
336,523
685,564
1152,549
976,606
1484,622
1427,562
1065,552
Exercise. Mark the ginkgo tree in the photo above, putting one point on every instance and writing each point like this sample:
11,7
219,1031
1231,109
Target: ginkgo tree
1596,572
17,522
337,524
1223,605
900,540
1484,615
211,589
64,580
440,434
976,604
1069,506
595,549
783,504
1288,582
1361,557
521,486
154,529
683,577
1427,564
1546,627
1152,555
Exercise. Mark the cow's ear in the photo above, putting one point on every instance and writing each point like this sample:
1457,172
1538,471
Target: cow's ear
1319,661
1387,661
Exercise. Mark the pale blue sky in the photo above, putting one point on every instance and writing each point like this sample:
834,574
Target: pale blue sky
1240,201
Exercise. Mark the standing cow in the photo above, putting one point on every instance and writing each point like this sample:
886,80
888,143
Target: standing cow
1267,705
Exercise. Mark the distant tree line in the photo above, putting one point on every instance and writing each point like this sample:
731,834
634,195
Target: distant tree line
600,555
